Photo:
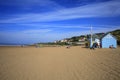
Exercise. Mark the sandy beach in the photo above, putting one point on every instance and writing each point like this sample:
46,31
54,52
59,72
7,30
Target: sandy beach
59,63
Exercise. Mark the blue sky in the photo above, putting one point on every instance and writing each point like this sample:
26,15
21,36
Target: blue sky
32,21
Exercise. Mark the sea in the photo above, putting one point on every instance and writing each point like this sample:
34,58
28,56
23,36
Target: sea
13,44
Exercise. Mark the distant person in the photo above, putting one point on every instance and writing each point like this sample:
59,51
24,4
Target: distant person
94,46
22,45
98,44
37,46
86,45
68,46
111,47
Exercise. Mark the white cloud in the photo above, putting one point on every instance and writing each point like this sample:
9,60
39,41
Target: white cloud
103,9
45,35
69,26
26,36
36,31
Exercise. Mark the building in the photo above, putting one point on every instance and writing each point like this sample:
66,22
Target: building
82,39
95,39
105,41
108,40
64,40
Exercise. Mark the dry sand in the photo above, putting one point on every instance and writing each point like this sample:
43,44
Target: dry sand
59,63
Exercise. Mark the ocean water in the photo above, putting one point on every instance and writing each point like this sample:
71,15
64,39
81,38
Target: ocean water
12,44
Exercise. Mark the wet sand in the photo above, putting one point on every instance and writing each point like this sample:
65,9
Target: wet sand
59,63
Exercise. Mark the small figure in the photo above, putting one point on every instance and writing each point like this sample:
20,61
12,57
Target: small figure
93,46
111,47
22,45
98,45
68,46
37,46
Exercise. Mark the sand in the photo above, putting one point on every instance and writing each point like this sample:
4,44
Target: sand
59,63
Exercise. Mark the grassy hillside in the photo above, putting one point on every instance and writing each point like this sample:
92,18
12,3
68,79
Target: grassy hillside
85,38
116,33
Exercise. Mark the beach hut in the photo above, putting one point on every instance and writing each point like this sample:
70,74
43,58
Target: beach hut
95,39
108,40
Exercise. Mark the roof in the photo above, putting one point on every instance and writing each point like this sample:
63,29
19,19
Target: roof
95,36
106,35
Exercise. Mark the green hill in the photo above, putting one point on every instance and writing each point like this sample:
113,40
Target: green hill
116,33
84,38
